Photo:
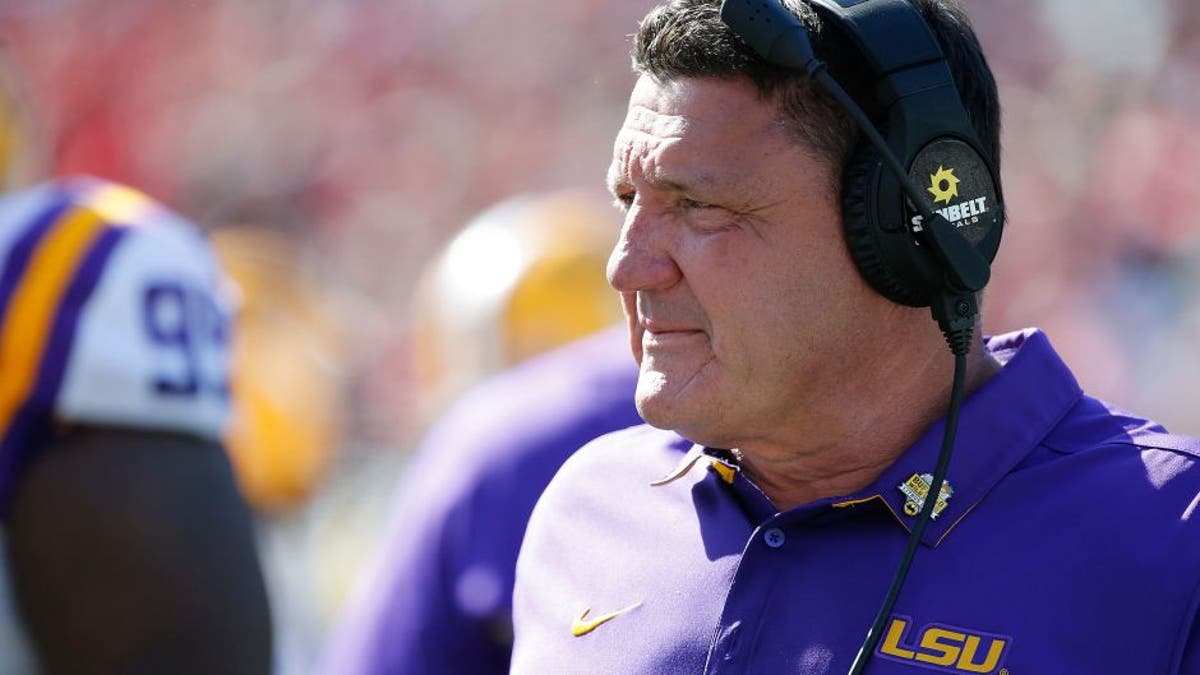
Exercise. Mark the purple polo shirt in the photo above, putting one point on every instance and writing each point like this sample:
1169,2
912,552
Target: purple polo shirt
440,601
1070,545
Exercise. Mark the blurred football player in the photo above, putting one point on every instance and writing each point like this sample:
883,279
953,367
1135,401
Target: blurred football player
127,545
287,371
524,277
285,433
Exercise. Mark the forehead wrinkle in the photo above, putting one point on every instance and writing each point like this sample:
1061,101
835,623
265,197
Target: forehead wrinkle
649,121
652,172
646,138
633,150
623,151
648,152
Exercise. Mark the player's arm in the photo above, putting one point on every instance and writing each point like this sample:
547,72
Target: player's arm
132,552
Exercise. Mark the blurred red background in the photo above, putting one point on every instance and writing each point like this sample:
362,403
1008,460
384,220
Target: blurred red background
366,132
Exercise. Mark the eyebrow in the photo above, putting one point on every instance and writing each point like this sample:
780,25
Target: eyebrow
697,180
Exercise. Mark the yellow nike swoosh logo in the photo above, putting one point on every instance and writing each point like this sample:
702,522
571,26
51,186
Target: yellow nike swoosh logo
583,625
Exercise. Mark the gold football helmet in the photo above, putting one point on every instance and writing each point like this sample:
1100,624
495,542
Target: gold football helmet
522,277
287,374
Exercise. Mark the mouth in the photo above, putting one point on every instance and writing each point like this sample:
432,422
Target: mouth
675,336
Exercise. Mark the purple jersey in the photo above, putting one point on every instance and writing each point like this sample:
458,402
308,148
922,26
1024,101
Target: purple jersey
1067,541
440,602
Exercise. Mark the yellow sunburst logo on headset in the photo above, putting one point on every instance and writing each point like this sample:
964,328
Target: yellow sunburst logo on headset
943,185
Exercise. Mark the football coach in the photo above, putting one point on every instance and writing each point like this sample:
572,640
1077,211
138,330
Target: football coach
803,185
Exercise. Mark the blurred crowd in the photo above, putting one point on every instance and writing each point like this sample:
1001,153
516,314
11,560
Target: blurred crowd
334,147
365,132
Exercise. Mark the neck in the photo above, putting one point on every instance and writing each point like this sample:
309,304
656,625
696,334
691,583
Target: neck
862,430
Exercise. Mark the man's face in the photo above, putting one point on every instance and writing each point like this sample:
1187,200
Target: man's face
741,299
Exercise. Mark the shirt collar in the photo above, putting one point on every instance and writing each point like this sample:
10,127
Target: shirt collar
722,462
999,425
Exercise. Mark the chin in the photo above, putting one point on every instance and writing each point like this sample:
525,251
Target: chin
653,409
671,414
656,405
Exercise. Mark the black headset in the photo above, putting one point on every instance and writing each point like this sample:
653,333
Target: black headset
929,131
927,161
921,203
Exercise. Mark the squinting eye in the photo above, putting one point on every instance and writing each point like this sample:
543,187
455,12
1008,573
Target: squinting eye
693,204
623,200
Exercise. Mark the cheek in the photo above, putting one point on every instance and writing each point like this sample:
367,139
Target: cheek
727,274
760,311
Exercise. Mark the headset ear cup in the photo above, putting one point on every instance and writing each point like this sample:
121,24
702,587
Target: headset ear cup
864,238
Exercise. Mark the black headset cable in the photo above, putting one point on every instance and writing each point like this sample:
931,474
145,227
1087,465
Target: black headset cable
931,498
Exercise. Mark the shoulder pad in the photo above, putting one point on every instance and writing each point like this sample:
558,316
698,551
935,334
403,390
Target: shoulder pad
113,311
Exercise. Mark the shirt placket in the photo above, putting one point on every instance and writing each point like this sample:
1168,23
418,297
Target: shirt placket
775,537
770,552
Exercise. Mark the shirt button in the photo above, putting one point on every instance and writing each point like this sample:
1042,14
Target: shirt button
774,537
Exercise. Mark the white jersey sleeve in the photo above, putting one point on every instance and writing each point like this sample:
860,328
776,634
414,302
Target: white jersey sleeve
113,312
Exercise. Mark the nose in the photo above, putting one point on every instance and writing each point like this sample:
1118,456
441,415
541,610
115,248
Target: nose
641,259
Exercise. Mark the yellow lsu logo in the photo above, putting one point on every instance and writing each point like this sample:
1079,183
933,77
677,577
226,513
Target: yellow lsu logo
944,648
